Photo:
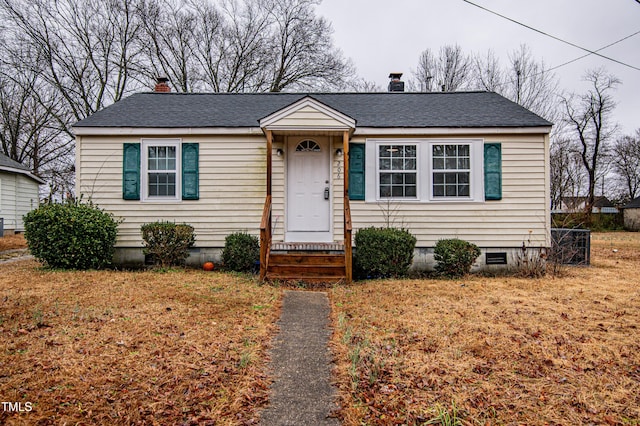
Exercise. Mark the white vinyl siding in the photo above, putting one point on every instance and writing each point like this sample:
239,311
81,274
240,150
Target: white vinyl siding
19,194
505,223
232,187
233,190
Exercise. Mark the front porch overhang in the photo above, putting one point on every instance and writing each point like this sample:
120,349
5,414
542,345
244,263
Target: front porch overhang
306,117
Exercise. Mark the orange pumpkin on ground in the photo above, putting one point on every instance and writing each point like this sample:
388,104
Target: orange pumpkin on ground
208,266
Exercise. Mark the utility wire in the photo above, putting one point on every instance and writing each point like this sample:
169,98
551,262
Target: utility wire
598,50
591,52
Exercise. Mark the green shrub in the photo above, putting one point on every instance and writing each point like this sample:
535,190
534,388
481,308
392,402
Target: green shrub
71,235
241,252
454,257
167,243
383,252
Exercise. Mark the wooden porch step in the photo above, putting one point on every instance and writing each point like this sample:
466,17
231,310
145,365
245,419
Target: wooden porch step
306,266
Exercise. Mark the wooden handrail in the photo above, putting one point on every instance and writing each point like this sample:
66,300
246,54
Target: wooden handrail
348,229
265,237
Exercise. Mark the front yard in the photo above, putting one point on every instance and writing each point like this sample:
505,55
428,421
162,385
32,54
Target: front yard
496,351
132,347
190,347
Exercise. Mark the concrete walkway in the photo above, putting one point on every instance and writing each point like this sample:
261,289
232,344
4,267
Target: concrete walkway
300,363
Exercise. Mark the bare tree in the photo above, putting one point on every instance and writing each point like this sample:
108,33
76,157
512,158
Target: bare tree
567,173
487,72
625,161
524,80
303,55
170,29
87,47
528,83
449,71
589,118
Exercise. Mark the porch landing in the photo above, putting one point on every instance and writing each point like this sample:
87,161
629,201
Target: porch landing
279,246
307,262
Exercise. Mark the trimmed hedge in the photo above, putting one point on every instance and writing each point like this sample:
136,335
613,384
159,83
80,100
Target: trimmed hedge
71,235
241,252
383,252
454,257
167,243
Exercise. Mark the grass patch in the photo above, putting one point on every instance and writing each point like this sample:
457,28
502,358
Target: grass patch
13,242
107,347
498,350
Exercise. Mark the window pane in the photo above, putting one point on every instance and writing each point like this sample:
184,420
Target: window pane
410,178
397,191
162,184
451,190
410,191
463,177
438,163
463,190
463,150
438,150
383,151
171,164
451,178
450,150
385,191
463,163
385,178
451,163
397,164
438,178
410,164
410,151
397,179
438,190
385,164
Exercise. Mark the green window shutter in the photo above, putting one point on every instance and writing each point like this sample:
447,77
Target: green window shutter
131,171
492,171
356,171
190,172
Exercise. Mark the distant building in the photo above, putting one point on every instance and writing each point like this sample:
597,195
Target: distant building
632,215
601,204
19,190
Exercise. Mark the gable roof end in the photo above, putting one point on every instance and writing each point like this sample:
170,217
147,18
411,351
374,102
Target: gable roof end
309,110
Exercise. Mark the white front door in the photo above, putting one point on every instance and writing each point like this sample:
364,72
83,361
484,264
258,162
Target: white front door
308,190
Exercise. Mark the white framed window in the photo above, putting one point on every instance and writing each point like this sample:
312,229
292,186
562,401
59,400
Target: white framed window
160,178
397,171
424,170
451,170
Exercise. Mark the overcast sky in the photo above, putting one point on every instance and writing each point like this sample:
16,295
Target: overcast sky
384,36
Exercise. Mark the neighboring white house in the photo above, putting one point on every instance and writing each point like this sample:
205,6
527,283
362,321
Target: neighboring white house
18,193
471,165
631,214
601,204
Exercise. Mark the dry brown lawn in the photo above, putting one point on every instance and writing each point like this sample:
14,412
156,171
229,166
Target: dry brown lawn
495,351
108,347
12,242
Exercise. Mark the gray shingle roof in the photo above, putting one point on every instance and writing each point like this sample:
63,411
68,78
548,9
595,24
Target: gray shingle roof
386,110
8,162
633,204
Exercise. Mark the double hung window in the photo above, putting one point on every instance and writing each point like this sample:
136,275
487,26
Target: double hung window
161,169
451,170
397,165
425,170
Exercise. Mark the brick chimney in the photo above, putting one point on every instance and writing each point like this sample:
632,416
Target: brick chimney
162,85
396,85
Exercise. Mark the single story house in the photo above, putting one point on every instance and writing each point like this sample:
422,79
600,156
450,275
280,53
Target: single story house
305,171
19,194
631,212
601,204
